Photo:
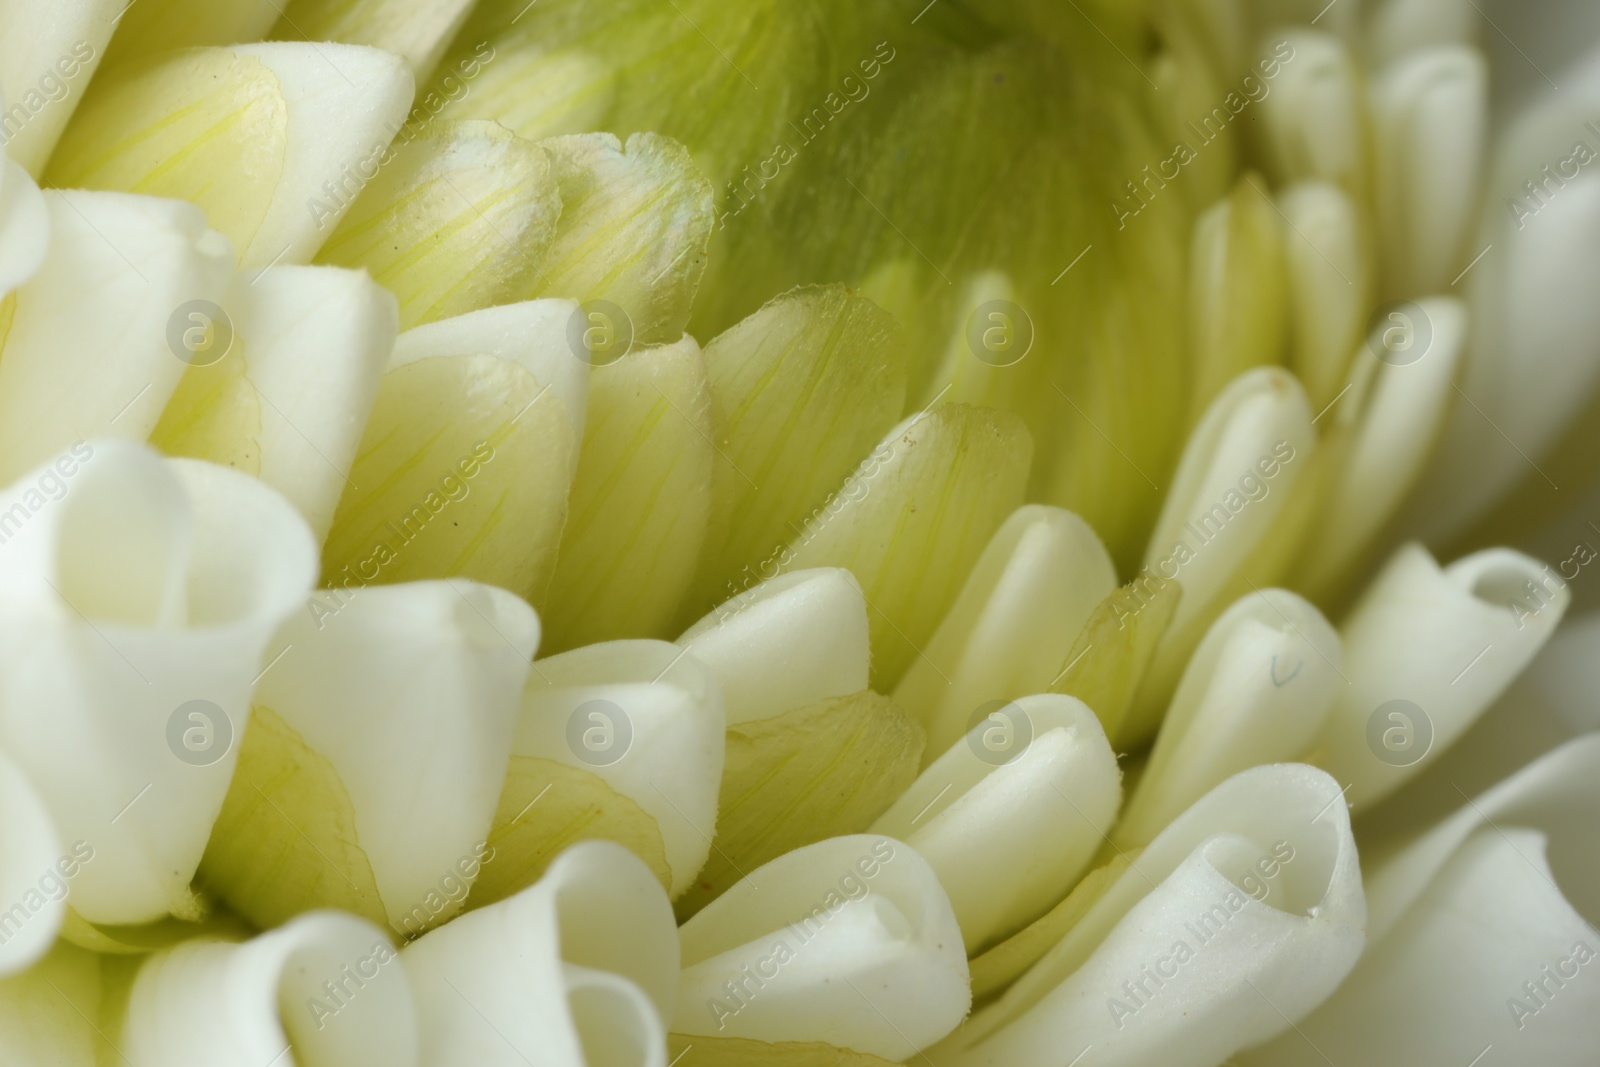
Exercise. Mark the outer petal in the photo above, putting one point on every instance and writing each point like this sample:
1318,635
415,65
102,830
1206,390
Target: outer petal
35,872
34,38
578,970
136,607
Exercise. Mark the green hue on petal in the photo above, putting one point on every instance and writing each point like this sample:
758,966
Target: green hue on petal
912,526
636,518
1238,298
1111,655
534,93
454,221
203,125
152,26
546,806
151,937
800,391
214,415
997,968
635,221
819,771
286,839
435,420
416,31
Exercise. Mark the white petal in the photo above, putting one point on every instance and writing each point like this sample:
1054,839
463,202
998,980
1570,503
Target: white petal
325,990
145,586
1256,691
412,693
90,350
1315,117
33,887
646,717
578,970
849,942
1013,623
1011,814
1477,907
1258,882
1427,650
1399,27
1223,498
791,641
1402,393
317,340
39,45
1330,282
24,227
1567,673
532,334
1430,122
345,102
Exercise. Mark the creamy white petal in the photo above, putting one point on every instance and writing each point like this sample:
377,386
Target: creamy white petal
48,53
1012,813
646,717
578,970
850,942
1258,883
1256,691
1397,407
793,640
136,606
157,25
1427,650
1398,27
1330,282
90,351
1567,673
1215,535
412,692
345,102
1464,919
1341,18
33,888
24,226
1012,625
325,990
1430,115
317,340
1314,120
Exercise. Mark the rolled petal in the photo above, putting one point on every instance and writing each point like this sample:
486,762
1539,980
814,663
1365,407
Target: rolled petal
1315,119
416,32
578,970
644,716
636,520
1392,419
1237,292
324,990
277,122
35,873
794,640
137,607
849,942
783,384
1032,590
1427,650
1238,919
91,348
466,462
1256,691
63,41
1430,123
1010,816
456,220
940,485
1483,934
1330,283
635,223
288,402
425,676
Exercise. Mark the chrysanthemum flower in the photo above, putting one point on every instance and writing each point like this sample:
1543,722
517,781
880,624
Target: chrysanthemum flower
627,533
